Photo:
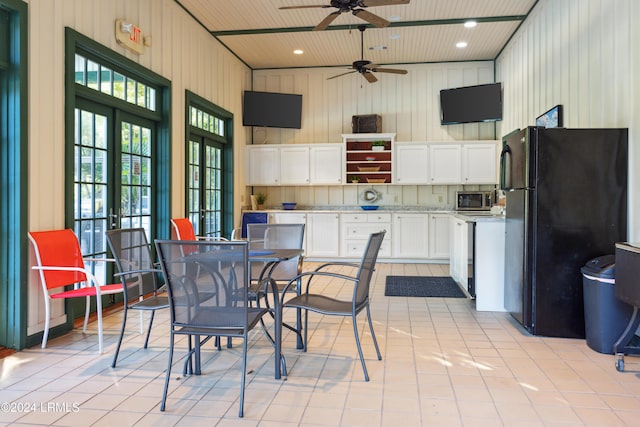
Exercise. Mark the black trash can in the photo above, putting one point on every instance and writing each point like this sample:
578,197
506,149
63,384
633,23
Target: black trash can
605,317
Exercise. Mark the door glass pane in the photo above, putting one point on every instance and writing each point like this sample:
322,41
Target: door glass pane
90,185
135,186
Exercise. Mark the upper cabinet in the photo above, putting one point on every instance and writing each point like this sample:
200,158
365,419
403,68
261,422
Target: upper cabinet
294,164
479,163
325,161
373,158
263,165
444,163
369,157
411,163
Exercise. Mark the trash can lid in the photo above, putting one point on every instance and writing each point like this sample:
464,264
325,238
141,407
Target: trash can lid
602,266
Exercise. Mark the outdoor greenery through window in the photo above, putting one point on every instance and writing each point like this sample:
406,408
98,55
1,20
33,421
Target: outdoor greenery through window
205,121
103,79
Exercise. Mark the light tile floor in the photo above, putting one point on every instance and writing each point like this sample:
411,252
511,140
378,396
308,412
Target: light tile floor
444,364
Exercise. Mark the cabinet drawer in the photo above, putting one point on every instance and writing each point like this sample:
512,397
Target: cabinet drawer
363,217
363,231
355,248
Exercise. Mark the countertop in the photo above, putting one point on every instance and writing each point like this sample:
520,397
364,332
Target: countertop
357,209
468,216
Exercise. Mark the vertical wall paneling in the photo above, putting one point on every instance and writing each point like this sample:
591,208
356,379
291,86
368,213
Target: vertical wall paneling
181,51
584,55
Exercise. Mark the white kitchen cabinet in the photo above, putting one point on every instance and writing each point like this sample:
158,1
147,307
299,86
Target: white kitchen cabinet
263,165
410,235
439,236
325,164
411,163
445,163
479,162
358,227
323,235
294,164
459,258
291,218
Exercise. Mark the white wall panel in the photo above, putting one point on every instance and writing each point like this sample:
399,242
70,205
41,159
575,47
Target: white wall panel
181,51
584,55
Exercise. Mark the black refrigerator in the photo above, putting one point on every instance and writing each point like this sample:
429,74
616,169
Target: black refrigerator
566,193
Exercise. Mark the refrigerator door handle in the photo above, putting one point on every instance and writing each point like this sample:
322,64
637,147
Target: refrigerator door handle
505,168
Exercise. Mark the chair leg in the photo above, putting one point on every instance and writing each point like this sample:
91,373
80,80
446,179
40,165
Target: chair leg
47,320
122,328
306,324
86,314
355,331
146,341
166,380
244,375
99,313
373,334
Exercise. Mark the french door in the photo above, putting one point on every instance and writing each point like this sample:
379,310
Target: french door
112,176
204,185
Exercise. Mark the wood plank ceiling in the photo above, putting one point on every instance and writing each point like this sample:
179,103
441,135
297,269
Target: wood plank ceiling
423,31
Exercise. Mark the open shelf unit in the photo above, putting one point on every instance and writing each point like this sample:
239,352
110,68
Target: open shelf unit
364,160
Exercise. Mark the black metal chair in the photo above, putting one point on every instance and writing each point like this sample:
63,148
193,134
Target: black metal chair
138,275
322,304
193,268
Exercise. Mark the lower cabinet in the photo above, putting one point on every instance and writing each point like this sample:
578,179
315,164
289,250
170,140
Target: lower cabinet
460,251
291,218
410,235
439,230
323,235
356,229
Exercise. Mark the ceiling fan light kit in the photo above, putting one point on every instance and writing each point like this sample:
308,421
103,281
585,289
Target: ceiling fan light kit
366,68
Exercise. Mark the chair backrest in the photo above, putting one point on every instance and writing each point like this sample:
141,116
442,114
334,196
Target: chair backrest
208,287
182,229
252,218
276,236
132,254
367,267
58,248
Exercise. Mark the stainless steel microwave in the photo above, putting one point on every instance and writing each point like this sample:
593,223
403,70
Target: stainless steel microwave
474,200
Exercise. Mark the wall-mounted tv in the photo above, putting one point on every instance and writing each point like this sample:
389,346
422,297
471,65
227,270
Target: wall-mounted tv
469,104
277,110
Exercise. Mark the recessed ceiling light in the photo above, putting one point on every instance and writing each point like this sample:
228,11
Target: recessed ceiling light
470,24
377,47
298,51
395,18
461,45
394,36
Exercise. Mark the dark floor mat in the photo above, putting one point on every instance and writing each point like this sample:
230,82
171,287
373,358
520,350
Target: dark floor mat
422,286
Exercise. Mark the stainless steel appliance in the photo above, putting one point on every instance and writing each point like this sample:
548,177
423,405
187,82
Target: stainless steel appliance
566,204
474,200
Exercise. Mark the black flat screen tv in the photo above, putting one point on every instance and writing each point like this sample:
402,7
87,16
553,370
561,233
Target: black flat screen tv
277,110
470,104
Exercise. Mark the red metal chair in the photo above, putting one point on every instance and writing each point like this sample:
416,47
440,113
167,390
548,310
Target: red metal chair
60,263
182,229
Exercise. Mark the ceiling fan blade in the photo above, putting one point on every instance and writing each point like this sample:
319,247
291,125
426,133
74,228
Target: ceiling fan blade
340,75
326,21
389,70
370,77
304,7
373,3
372,19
